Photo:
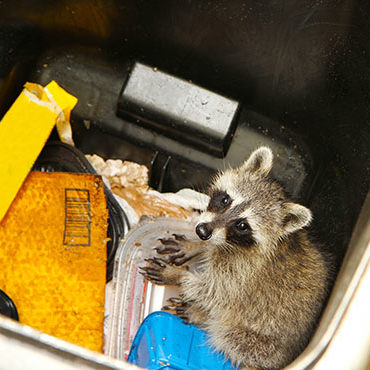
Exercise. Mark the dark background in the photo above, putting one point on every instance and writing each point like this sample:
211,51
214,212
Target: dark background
301,70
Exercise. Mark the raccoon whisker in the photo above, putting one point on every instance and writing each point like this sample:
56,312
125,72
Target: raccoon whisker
227,247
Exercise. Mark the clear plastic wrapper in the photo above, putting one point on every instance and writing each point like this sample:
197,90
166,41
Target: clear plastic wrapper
132,297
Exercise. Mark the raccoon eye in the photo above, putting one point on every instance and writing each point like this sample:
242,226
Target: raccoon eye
225,200
242,225
219,202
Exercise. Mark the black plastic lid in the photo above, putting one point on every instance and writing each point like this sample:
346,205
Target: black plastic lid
7,306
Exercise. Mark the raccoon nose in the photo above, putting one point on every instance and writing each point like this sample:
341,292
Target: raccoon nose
203,231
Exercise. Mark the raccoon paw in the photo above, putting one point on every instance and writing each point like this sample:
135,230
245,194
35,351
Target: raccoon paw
178,250
169,245
178,306
160,272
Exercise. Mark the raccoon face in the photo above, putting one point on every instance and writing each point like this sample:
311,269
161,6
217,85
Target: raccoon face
247,208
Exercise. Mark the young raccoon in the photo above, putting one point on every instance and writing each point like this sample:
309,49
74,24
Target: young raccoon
261,284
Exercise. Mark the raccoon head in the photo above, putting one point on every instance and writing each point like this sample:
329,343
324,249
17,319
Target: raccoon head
247,208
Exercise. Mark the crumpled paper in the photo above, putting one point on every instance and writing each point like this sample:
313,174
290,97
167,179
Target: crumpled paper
128,181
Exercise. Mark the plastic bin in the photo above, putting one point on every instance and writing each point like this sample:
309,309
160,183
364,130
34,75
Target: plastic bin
133,298
300,72
164,341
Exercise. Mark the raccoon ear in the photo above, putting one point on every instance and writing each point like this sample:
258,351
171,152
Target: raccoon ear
296,217
259,162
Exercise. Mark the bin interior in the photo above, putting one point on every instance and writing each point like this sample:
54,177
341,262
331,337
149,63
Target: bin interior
299,69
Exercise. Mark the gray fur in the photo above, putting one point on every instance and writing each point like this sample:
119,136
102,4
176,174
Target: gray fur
259,302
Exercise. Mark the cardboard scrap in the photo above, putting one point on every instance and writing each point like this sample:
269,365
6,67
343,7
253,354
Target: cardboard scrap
24,130
53,255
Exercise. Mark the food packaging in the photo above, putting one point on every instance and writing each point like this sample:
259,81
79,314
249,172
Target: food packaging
132,297
24,130
53,255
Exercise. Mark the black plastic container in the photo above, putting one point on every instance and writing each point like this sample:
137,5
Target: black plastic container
7,306
300,71
60,157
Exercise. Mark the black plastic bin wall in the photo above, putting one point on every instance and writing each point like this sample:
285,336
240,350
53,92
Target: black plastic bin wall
299,70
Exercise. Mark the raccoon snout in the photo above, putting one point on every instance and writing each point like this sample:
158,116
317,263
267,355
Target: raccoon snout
203,231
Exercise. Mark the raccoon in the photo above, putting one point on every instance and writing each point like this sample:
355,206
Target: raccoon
261,283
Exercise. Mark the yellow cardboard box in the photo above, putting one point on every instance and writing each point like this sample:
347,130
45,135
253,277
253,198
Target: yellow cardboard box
53,255
24,130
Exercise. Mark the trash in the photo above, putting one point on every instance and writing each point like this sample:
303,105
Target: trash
178,109
24,130
132,297
53,255
120,173
60,157
186,198
128,298
129,181
146,204
7,306
164,341
303,66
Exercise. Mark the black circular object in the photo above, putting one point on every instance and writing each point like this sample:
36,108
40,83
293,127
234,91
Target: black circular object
7,306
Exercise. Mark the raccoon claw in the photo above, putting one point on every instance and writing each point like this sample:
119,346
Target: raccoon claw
176,300
170,245
160,272
175,250
168,241
179,259
152,278
153,272
172,248
157,261
177,303
166,249
176,258
178,306
167,246
180,238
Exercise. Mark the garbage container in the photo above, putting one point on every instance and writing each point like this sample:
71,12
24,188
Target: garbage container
295,74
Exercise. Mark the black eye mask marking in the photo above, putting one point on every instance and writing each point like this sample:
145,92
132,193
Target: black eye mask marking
223,218
220,201
239,232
